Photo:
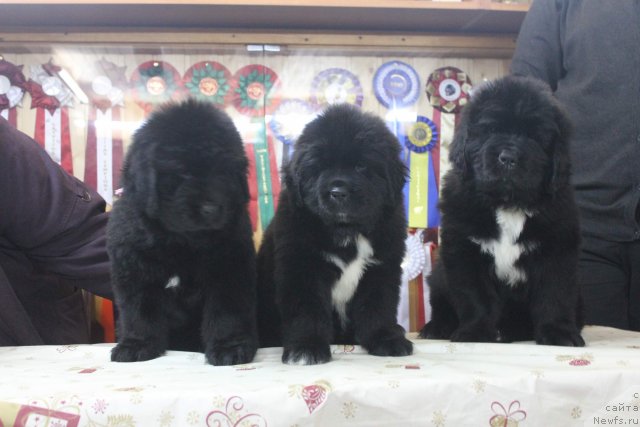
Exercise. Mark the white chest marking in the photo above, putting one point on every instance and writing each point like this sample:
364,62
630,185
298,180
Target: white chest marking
345,287
173,283
504,249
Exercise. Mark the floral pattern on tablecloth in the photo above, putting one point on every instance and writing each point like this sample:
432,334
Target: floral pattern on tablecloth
442,384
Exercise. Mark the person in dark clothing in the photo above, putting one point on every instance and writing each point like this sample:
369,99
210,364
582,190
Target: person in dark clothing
52,245
589,54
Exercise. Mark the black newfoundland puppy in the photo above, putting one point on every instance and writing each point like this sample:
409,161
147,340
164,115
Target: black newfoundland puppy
510,235
180,240
329,265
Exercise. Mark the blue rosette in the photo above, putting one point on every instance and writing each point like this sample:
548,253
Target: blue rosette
290,118
422,136
396,85
287,123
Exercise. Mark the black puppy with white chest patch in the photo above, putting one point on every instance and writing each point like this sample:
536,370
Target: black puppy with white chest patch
509,232
329,265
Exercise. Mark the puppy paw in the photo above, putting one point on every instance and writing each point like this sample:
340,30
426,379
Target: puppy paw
436,331
306,354
554,335
392,346
231,354
475,333
135,351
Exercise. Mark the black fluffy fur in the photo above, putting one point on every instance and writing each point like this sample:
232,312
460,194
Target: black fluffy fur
183,215
510,151
345,180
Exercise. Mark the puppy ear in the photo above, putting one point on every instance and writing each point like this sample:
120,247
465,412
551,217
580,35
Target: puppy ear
292,181
139,177
153,205
243,178
560,173
458,148
397,175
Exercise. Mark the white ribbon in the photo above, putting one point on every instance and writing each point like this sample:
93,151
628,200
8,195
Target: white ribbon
104,154
52,134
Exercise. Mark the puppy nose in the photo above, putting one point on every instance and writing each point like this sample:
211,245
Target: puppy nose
210,209
339,193
507,159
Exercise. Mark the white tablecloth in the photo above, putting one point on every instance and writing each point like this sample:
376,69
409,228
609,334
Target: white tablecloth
442,384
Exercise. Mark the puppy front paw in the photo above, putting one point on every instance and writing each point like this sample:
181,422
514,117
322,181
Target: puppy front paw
135,351
306,354
395,346
436,331
475,333
556,335
231,354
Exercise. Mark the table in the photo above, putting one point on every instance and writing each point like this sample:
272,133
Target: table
441,384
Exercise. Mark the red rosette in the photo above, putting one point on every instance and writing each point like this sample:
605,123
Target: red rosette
209,81
448,89
12,84
254,90
155,82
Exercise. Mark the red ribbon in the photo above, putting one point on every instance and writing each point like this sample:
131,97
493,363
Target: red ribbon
273,167
252,179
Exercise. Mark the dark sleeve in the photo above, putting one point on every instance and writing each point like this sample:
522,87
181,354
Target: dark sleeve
53,218
539,47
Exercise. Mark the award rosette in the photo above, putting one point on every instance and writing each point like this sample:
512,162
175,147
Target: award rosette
287,123
336,86
209,81
413,307
421,193
448,89
104,85
414,258
255,96
12,87
396,85
254,91
155,82
51,99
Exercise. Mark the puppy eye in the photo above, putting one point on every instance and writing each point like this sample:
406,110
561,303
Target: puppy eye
361,167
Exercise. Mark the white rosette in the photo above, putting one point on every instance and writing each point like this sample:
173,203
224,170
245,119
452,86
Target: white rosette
414,257
13,93
52,85
412,265
103,86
